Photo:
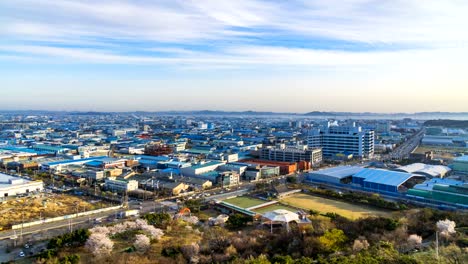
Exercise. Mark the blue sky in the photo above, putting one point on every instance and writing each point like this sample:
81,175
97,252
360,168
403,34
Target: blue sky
295,56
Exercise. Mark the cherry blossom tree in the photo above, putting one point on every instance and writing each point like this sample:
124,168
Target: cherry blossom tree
142,242
414,241
446,227
360,244
99,244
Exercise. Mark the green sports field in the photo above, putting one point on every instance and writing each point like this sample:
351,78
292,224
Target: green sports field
244,201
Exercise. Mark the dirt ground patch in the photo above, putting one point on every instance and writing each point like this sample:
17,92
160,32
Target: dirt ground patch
440,152
47,206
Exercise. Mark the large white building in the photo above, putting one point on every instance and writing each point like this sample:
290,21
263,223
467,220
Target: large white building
343,139
13,186
201,168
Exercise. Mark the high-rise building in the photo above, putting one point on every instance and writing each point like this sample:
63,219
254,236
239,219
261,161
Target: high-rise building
343,139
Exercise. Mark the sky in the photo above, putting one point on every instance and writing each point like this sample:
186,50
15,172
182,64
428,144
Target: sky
283,56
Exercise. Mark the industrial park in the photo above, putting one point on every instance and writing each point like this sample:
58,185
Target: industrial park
233,131
63,175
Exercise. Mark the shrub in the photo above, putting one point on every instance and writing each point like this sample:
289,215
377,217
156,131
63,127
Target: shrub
171,252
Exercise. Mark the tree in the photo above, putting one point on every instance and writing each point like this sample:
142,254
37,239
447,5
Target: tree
238,220
360,244
446,227
333,240
99,244
414,241
190,252
218,239
291,179
282,260
157,219
142,243
262,259
454,255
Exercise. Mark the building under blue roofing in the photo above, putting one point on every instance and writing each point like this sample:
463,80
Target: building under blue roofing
155,158
382,180
463,158
77,161
210,175
333,175
207,164
171,171
94,163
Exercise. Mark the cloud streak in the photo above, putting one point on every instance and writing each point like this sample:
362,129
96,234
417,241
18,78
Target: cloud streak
409,37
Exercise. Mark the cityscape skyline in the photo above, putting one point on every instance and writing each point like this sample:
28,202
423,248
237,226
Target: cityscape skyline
299,56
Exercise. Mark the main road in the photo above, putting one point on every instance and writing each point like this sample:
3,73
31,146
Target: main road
405,149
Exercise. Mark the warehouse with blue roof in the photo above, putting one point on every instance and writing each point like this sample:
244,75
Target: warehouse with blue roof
340,174
379,180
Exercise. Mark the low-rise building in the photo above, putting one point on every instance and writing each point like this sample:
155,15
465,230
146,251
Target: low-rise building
201,168
460,165
430,171
290,154
120,185
14,186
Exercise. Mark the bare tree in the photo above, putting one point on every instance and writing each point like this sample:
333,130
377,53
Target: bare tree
191,252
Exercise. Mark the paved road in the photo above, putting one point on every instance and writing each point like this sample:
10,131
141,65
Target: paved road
7,234
405,149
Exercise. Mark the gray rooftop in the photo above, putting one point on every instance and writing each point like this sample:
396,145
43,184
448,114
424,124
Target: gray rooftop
339,172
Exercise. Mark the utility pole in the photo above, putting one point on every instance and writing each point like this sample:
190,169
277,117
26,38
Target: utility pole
22,223
437,246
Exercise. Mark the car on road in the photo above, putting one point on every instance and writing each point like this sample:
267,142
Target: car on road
21,254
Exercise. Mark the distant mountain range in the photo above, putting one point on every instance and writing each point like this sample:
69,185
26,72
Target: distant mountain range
243,113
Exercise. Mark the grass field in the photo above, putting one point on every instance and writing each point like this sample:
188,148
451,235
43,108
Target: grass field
324,205
274,207
244,201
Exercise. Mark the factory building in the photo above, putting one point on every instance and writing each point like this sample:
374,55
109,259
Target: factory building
290,154
445,190
285,168
340,174
14,186
430,171
460,165
379,180
120,185
201,168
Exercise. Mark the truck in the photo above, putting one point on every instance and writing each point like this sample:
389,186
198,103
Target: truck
128,213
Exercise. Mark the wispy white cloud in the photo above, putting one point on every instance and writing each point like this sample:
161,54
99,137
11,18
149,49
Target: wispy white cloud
397,21
239,32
